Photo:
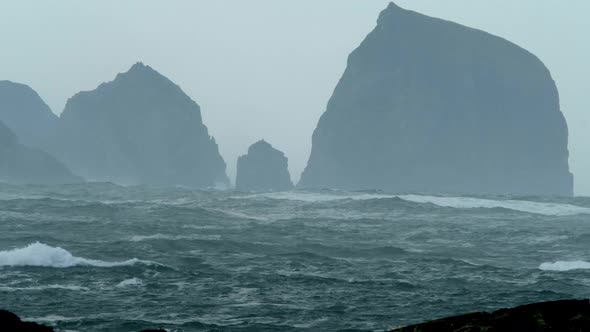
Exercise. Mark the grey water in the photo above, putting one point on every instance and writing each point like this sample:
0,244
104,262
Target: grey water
100,257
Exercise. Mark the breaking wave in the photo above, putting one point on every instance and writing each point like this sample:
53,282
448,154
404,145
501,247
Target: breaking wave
549,209
562,266
42,255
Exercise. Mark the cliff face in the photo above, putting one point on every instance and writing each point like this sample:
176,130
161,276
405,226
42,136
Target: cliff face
264,168
140,128
427,105
20,164
26,114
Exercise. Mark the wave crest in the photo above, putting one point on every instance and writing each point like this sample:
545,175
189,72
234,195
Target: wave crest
42,255
561,266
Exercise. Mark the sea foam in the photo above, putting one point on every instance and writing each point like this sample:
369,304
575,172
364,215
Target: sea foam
39,254
561,266
549,209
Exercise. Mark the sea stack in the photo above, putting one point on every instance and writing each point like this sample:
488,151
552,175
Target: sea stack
139,129
20,164
427,105
263,169
26,114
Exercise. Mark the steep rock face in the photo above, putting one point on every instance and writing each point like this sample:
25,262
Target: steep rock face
140,128
557,316
427,105
26,114
264,168
20,164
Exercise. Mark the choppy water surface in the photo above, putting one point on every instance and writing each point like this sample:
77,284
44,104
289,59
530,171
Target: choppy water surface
106,258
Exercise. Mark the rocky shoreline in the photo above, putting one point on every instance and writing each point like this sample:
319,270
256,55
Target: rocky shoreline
556,316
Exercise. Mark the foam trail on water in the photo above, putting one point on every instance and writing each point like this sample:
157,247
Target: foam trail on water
549,209
561,266
39,254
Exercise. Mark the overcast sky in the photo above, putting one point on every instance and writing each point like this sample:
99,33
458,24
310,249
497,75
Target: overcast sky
266,68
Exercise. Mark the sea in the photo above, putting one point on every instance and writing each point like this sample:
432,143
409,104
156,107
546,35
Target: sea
102,257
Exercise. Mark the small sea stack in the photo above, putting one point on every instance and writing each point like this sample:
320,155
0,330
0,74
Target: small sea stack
263,169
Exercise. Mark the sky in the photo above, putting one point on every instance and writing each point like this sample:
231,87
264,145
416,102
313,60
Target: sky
265,69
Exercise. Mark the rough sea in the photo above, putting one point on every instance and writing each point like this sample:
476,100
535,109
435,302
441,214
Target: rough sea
101,257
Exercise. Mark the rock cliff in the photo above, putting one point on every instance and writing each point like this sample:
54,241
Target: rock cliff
20,164
264,168
140,128
427,105
26,114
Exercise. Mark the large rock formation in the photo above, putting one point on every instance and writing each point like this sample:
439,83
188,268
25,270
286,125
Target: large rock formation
20,164
264,168
140,128
26,114
427,105
557,316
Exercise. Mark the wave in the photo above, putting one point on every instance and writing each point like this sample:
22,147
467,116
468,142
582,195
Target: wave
42,288
159,236
561,266
542,208
42,255
133,282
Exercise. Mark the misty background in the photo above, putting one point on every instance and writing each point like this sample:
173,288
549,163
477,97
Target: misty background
266,68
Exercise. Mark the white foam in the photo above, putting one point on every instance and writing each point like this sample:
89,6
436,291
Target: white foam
39,254
561,266
42,288
141,238
550,209
133,282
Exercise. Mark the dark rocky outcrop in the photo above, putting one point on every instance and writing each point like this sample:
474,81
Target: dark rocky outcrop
10,322
264,168
558,316
427,105
26,114
20,164
140,128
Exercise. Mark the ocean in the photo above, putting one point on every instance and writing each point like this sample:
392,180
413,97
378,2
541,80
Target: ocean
101,257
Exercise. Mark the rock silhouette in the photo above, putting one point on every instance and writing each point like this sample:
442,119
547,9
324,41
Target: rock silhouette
26,114
427,105
140,128
264,168
557,316
20,164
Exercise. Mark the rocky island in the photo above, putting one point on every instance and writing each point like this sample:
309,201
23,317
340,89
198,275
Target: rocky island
20,164
264,168
427,105
140,128
26,114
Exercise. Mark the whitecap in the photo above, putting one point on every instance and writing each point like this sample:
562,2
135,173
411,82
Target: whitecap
549,209
133,282
39,254
42,288
159,236
561,266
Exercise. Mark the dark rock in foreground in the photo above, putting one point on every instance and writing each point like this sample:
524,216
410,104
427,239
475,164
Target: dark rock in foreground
426,105
140,128
558,316
264,168
26,114
20,164
10,322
